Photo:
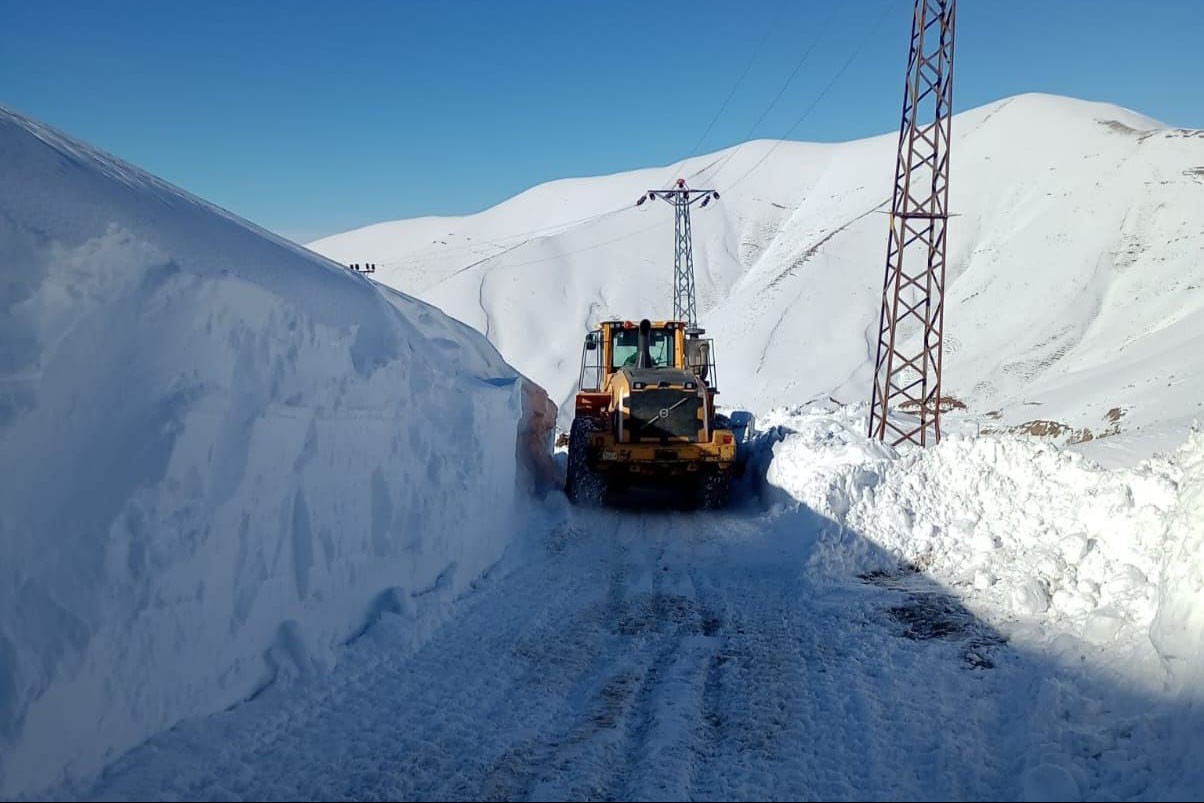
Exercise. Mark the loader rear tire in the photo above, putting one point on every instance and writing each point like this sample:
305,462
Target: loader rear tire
714,490
583,486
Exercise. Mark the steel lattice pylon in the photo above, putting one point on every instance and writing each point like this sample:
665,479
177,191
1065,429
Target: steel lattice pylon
907,373
685,307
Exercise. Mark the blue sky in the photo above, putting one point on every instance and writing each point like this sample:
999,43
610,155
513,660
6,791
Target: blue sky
311,118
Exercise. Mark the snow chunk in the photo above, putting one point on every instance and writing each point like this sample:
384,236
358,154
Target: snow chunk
1050,782
1030,597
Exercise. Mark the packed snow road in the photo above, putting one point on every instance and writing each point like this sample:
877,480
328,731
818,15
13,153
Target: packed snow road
625,655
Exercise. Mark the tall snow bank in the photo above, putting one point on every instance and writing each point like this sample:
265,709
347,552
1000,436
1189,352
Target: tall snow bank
1099,569
1087,560
1178,629
222,456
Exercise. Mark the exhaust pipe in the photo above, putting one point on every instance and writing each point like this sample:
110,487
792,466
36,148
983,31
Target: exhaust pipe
643,356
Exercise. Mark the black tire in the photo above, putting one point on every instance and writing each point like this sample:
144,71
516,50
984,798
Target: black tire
714,490
582,485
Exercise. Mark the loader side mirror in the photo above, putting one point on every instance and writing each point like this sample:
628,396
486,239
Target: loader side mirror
591,341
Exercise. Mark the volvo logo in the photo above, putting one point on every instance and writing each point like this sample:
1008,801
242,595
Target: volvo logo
664,413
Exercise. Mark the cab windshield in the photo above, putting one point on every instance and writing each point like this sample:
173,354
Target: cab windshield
625,347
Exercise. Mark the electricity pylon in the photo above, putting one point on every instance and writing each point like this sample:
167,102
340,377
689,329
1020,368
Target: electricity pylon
907,373
685,308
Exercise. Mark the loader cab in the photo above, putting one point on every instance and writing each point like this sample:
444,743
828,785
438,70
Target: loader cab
614,345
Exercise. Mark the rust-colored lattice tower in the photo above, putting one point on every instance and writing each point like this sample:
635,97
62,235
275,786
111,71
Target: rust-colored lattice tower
907,375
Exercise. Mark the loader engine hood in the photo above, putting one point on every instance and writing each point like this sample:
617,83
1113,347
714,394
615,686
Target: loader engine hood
662,377
662,404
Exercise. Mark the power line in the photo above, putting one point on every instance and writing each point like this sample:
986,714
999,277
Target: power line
781,91
735,86
667,184
504,242
793,73
806,113
532,235
528,239
611,241
528,236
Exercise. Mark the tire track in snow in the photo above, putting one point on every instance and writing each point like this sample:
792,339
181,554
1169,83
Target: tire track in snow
629,736
660,729
650,655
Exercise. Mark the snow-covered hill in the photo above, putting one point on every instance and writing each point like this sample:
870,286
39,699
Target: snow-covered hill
222,456
1075,287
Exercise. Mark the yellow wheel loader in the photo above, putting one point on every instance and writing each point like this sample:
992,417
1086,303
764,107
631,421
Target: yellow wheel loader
645,414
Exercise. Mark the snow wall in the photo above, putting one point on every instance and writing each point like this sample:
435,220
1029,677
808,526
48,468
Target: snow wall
222,457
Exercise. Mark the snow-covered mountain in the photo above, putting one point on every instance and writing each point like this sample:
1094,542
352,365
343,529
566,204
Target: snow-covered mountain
222,456
1076,266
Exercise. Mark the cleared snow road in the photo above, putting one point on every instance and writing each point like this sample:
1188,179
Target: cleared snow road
634,655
